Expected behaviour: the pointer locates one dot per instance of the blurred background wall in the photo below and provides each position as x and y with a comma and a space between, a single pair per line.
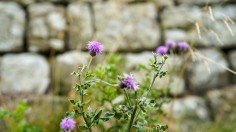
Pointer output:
43, 41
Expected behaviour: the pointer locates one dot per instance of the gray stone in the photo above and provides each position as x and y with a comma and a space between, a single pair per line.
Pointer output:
46, 27
186, 112
176, 34
222, 103
232, 59
12, 21
232, 62
187, 107
202, 2
181, 16
207, 70
64, 66
216, 30
24, 73
123, 27
163, 3
80, 25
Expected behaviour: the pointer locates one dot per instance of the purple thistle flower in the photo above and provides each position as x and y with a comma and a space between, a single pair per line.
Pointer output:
67, 124
162, 50
170, 44
95, 48
128, 82
183, 46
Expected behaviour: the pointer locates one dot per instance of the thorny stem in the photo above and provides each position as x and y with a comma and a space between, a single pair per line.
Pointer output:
114, 85
127, 98
82, 109
82, 98
151, 85
154, 78
134, 112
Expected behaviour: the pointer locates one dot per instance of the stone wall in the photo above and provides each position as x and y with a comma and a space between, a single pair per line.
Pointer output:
42, 41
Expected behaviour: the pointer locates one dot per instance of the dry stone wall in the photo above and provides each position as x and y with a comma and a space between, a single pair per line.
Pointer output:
42, 41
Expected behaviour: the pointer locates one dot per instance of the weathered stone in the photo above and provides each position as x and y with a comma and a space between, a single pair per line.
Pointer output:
80, 25
175, 34
24, 73
218, 29
126, 27
222, 103
64, 66
232, 61
12, 21
25, 2
185, 112
163, 3
187, 107
214, 29
46, 27
201, 2
207, 70
180, 17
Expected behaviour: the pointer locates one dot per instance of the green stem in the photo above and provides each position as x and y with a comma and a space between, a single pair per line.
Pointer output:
154, 78
134, 112
127, 98
82, 109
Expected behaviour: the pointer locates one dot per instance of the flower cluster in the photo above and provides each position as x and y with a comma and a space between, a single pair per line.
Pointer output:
172, 45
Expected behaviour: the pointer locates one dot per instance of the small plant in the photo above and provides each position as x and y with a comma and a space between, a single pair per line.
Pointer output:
15, 120
129, 114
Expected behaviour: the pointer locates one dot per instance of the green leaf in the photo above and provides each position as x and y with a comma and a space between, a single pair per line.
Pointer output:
72, 101
83, 127
97, 117
107, 116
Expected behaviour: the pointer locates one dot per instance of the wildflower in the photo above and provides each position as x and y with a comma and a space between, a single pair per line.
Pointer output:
170, 44
183, 46
95, 48
162, 50
67, 124
128, 82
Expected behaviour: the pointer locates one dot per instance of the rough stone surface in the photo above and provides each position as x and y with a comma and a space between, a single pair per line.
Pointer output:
232, 61
64, 66
202, 2
80, 25
180, 17
12, 21
187, 107
185, 112
207, 70
24, 73
222, 103
215, 29
122, 27
46, 27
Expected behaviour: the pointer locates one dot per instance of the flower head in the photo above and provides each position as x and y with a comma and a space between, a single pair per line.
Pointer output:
183, 46
162, 50
67, 124
170, 44
128, 82
95, 48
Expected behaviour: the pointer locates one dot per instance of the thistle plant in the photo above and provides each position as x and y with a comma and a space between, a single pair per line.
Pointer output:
130, 112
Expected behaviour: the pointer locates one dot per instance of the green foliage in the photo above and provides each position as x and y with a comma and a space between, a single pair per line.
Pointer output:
15, 120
